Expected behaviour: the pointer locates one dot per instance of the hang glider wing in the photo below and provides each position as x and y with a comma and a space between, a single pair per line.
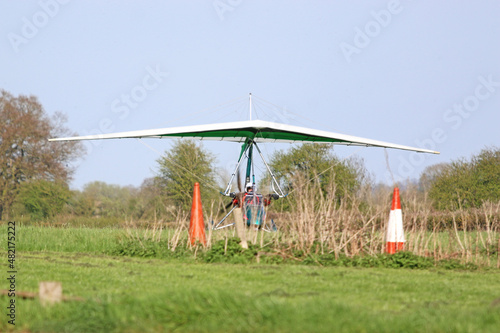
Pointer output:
256, 130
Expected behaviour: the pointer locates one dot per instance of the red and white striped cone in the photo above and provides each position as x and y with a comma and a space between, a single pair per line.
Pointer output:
395, 236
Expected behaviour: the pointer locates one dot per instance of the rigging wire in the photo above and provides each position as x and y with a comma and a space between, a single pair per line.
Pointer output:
389, 167
236, 109
211, 109
266, 171
286, 111
258, 106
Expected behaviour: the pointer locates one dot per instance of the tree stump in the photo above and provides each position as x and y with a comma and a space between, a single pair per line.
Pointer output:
50, 292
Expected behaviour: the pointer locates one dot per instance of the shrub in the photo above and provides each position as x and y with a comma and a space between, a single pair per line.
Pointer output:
43, 199
229, 250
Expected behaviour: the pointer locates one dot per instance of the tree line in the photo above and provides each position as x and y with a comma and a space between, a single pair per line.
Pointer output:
35, 173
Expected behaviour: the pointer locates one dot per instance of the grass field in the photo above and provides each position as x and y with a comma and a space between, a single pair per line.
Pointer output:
125, 294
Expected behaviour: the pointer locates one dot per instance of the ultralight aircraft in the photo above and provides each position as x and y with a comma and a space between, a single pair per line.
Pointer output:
250, 133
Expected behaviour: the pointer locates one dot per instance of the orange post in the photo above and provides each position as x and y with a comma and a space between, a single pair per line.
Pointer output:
395, 237
196, 225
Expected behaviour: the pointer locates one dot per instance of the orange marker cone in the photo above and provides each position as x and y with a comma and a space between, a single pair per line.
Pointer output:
395, 236
196, 225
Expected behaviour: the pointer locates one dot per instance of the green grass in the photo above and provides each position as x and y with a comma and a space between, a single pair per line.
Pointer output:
150, 295
131, 294
32, 238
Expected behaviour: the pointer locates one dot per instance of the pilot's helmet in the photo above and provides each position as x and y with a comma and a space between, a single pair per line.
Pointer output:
249, 186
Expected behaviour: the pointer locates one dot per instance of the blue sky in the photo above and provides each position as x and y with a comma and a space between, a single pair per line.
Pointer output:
418, 73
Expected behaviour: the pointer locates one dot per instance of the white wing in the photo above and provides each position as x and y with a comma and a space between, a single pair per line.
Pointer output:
257, 130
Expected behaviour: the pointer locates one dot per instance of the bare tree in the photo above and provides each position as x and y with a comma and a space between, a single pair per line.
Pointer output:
25, 153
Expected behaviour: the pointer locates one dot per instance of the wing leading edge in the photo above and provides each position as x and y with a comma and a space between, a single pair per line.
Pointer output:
257, 130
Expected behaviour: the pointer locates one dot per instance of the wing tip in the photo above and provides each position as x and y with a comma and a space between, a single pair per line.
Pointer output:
428, 151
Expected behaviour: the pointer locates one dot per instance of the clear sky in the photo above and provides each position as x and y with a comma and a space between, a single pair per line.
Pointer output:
418, 73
